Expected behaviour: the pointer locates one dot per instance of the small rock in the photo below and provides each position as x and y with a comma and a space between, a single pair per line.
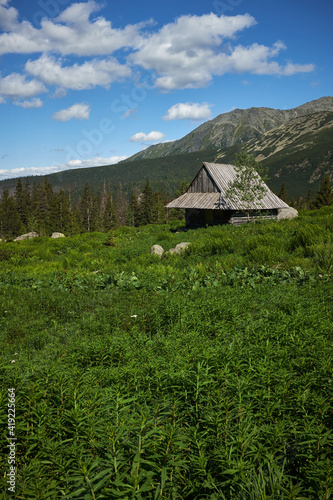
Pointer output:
286, 213
179, 248
157, 250
27, 236
57, 235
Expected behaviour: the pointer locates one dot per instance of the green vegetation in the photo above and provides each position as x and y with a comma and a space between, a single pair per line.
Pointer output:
42, 210
164, 173
248, 187
201, 376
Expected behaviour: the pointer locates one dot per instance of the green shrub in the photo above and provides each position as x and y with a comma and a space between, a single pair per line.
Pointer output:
322, 256
304, 236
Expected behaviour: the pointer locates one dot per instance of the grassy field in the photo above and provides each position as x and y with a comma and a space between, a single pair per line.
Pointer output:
206, 375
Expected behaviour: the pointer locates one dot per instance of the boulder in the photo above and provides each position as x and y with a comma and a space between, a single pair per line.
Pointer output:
157, 250
27, 236
286, 213
179, 248
57, 235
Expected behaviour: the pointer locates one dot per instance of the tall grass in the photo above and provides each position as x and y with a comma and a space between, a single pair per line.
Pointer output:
188, 377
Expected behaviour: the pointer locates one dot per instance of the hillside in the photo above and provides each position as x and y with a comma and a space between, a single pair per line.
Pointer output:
236, 127
295, 145
164, 173
299, 152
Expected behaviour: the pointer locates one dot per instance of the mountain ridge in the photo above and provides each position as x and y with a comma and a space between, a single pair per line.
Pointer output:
235, 127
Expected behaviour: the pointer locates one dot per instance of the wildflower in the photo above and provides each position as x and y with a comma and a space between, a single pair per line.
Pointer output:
134, 316
12, 361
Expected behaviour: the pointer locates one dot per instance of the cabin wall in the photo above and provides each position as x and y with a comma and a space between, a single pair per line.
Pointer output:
201, 218
203, 183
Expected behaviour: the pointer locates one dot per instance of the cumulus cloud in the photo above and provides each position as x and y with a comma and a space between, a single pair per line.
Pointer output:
256, 59
188, 111
71, 33
153, 136
73, 164
33, 103
77, 111
183, 54
189, 52
77, 77
16, 86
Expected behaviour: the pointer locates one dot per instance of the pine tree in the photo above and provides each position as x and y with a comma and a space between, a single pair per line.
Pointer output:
62, 213
19, 199
121, 206
10, 222
324, 196
85, 206
26, 205
134, 208
109, 217
160, 207
283, 193
147, 205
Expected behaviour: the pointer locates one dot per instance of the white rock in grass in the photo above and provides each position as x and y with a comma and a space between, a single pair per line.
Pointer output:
57, 235
179, 248
27, 236
157, 250
286, 213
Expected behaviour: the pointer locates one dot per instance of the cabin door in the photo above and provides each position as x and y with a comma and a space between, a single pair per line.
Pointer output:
208, 217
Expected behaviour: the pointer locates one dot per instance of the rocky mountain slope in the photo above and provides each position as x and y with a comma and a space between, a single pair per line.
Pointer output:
298, 152
236, 127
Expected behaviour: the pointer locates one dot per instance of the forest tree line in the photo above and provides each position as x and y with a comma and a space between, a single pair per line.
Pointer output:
41, 209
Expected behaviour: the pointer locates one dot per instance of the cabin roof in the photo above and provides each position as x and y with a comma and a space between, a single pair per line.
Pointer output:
210, 195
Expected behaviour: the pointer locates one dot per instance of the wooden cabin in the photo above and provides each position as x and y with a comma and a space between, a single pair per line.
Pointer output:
205, 201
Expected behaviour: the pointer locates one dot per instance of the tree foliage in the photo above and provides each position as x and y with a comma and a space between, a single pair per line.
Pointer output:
249, 185
41, 209
324, 196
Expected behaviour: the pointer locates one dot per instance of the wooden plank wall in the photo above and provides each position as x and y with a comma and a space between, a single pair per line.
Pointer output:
203, 183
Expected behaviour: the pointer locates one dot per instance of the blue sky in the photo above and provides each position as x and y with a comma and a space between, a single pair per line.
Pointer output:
90, 83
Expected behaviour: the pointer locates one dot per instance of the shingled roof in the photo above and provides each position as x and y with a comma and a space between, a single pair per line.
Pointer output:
208, 188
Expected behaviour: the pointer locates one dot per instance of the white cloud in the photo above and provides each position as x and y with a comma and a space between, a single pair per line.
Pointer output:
153, 136
181, 52
59, 93
2, 100
77, 77
188, 111
73, 164
189, 52
184, 54
77, 111
71, 33
8, 16
16, 86
33, 103
255, 59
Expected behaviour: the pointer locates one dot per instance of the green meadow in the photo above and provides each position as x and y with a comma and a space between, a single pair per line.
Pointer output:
205, 375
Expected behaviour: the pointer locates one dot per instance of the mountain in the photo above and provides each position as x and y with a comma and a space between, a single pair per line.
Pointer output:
236, 127
296, 145
298, 152
165, 173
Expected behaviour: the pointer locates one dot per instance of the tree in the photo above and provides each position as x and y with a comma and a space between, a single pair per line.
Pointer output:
10, 221
248, 187
121, 206
85, 206
324, 196
283, 193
